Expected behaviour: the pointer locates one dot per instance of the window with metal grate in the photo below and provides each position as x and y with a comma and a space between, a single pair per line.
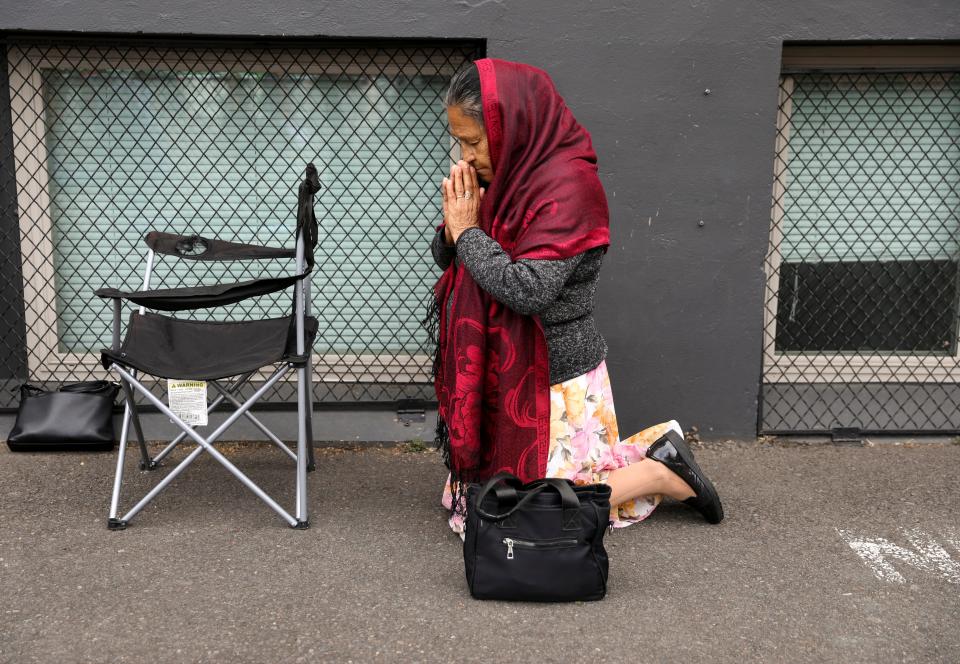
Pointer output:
111, 140
862, 266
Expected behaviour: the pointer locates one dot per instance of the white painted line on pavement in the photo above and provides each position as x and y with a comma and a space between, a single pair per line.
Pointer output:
926, 555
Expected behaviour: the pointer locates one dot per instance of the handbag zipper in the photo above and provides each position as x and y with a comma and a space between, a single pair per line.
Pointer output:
526, 544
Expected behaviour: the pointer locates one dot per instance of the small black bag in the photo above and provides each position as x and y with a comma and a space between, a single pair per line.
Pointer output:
541, 541
78, 417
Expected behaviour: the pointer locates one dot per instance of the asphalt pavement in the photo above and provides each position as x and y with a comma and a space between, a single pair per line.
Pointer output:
827, 554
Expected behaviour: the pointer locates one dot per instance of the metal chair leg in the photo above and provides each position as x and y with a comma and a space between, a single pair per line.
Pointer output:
206, 445
113, 523
146, 463
302, 514
311, 462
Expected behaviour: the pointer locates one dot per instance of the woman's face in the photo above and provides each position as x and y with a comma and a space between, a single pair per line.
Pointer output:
473, 142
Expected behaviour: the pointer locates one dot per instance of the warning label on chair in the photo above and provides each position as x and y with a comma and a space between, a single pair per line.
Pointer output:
188, 400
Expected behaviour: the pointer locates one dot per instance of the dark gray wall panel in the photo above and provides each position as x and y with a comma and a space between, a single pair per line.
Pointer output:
680, 303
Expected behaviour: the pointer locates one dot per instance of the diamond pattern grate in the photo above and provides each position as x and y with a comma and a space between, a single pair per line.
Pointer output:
861, 303
107, 140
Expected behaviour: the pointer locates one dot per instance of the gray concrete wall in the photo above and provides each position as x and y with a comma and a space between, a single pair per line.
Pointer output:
680, 304
330, 427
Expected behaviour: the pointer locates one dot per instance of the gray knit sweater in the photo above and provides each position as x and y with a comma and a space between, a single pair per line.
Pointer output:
561, 292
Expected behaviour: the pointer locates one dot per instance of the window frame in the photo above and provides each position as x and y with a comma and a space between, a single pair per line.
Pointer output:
840, 366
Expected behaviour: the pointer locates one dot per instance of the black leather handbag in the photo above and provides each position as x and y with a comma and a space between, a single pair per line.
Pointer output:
78, 416
541, 541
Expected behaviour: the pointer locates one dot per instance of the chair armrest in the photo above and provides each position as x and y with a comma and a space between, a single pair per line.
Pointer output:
196, 248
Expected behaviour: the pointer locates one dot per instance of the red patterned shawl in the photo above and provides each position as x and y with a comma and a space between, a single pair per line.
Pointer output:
545, 202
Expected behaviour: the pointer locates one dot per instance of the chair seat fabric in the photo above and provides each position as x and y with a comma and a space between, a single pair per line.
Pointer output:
206, 350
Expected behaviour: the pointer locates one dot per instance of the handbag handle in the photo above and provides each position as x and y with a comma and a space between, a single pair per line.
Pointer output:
86, 387
92, 387
506, 490
28, 390
569, 500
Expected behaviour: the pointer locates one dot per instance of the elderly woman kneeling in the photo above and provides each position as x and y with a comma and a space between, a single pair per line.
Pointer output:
520, 371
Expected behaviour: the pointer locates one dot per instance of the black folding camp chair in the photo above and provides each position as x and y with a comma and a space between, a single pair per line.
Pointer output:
213, 351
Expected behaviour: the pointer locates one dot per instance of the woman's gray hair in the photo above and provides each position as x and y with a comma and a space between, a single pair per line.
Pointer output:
464, 92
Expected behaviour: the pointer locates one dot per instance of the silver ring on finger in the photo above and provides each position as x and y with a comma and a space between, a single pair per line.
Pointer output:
467, 194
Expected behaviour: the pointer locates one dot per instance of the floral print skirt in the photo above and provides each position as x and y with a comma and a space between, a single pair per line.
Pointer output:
585, 443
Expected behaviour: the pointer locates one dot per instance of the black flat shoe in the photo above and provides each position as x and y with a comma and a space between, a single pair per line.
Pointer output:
672, 450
